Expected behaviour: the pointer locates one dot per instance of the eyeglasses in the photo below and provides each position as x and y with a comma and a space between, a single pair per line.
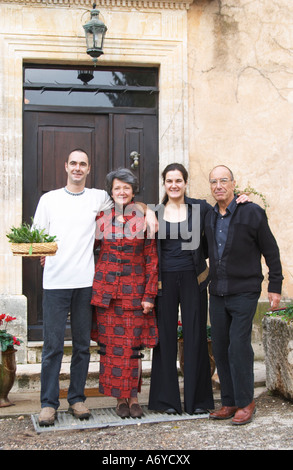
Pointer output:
222, 181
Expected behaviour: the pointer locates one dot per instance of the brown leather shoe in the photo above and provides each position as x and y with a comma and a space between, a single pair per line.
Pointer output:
244, 415
225, 412
122, 410
136, 410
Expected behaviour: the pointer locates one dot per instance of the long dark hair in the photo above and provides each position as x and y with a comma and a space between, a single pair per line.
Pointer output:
173, 167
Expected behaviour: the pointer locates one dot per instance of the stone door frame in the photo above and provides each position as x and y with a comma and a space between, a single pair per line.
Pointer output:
162, 43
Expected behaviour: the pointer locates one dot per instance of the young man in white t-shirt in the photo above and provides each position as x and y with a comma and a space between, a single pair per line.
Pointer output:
70, 214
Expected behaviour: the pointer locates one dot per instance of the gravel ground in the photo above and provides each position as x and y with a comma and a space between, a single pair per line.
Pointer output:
271, 429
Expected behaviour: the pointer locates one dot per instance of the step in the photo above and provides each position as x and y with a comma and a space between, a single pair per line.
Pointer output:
28, 376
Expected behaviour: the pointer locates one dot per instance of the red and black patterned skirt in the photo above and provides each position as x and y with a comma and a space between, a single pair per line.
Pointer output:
121, 335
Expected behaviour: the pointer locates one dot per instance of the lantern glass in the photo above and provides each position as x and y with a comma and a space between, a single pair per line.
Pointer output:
95, 31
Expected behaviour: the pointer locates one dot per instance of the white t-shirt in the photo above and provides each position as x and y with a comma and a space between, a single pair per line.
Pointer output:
72, 218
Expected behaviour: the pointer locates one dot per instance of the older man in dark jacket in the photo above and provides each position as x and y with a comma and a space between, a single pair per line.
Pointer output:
237, 235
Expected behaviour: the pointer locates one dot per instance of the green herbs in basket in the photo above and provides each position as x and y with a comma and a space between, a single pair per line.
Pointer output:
27, 234
30, 241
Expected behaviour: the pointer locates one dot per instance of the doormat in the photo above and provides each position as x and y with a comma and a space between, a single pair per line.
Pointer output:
106, 417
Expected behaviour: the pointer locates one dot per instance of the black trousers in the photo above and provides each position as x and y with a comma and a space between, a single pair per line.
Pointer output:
231, 324
181, 289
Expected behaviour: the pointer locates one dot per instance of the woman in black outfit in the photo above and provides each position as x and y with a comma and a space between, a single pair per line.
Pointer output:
184, 279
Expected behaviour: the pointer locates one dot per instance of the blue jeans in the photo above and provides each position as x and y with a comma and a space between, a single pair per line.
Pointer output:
57, 303
231, 319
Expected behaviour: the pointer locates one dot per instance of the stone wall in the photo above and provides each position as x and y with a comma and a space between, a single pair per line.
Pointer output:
241, 105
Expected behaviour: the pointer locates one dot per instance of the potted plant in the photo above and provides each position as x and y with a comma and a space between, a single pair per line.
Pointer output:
7, 359
278, 348
30, 241
181, 348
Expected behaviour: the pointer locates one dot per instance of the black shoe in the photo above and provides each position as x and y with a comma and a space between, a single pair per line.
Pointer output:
170, 411
200, 411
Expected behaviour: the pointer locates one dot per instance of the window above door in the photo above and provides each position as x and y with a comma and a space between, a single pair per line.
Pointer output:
90, 87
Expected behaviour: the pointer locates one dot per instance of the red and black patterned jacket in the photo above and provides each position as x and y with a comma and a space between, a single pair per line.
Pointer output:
127, 266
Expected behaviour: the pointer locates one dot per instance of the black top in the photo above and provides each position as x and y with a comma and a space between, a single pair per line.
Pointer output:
198, 251
174, 258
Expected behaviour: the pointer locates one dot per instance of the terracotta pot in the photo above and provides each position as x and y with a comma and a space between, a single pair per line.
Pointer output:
7, 375
181, 356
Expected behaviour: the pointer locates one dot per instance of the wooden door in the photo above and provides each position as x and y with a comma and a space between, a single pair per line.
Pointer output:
109, 139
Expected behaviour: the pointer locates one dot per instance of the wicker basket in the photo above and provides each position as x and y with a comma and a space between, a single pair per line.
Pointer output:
34, 249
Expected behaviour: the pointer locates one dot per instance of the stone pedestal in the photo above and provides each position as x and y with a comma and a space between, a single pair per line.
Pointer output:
278, 348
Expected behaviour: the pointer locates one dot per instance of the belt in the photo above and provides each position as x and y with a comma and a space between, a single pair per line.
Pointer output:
122, 248
119, 261
118, 273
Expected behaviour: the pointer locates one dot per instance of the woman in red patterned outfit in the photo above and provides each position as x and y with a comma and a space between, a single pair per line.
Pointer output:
124, 291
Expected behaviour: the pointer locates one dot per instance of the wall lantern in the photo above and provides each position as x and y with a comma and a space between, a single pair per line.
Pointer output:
95, 31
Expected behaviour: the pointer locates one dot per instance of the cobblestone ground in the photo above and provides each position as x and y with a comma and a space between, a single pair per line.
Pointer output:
271, 429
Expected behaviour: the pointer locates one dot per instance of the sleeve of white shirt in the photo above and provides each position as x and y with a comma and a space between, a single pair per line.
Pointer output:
107, 204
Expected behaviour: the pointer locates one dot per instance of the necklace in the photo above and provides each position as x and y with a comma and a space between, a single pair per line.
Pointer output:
74, 194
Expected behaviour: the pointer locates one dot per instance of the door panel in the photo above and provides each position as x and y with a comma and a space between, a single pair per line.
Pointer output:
136, 133
54, 143
108, 139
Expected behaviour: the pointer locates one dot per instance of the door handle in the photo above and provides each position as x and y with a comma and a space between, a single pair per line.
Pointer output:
135, 157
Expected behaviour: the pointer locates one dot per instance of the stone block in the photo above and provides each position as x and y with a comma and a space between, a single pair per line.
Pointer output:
278, 348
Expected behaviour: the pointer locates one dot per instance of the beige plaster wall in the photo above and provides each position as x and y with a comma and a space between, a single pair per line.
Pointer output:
240, 79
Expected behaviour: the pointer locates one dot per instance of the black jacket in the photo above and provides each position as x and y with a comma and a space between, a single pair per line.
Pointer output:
249, 237
200, 253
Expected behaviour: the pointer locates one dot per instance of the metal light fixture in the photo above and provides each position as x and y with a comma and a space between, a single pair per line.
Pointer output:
95, 31
85, 76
